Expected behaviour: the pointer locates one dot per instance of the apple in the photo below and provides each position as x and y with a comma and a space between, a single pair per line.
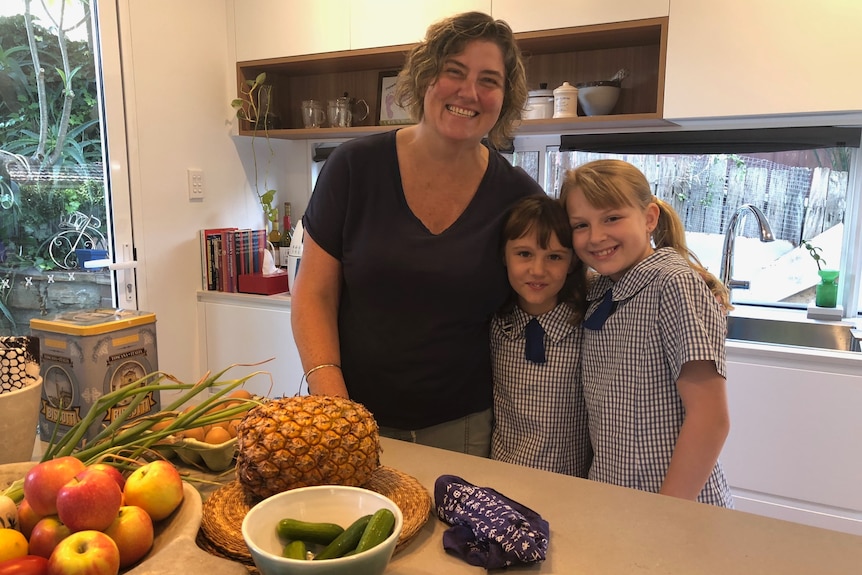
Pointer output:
112, 471
27, 518
44, 480
156, 487
46, 535
90, 500
132, 531
87, 552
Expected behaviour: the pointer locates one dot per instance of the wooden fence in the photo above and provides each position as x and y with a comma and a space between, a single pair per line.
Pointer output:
800, 203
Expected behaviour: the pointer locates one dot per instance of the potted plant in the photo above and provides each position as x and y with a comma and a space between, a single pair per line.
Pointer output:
826, 293
254, 107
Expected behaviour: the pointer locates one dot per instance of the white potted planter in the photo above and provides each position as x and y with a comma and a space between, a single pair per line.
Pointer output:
19, 415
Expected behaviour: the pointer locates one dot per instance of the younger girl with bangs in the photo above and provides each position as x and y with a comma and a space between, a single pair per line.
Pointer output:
539, 411
653, 355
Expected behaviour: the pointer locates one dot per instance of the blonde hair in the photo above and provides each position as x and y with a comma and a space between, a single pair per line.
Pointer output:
450, 37
615, 183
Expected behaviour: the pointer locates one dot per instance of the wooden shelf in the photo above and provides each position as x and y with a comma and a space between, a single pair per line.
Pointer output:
579, 54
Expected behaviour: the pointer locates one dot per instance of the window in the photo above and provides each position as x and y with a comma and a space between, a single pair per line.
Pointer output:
805, 194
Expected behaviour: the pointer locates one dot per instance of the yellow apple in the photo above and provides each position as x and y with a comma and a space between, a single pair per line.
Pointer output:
85, 553
132, 531
156, 487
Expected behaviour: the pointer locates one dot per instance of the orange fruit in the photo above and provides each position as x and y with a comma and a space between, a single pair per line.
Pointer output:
13, 544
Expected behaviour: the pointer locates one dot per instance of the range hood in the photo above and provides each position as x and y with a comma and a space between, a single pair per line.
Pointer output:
714, 141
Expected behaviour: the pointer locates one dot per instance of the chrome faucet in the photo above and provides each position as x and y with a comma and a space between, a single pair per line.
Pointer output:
726, 272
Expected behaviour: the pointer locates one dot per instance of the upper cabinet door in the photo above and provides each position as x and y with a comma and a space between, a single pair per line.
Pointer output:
276, 29
762, 57
525, 17
375, 23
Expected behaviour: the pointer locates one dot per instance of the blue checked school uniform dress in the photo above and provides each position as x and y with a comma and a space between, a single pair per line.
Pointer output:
663, 316
540, 417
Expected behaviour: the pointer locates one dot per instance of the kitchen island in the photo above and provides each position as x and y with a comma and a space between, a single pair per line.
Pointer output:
600, 529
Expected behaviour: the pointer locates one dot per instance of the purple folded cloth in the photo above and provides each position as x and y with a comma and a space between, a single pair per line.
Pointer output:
488, 529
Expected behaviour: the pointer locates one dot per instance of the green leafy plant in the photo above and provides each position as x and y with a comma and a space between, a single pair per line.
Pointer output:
254, 107
814, 252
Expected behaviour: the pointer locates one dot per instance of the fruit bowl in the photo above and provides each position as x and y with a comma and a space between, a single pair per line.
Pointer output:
337, 504
174, 543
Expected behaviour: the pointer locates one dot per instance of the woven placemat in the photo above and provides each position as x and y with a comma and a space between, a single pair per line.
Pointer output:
224, 510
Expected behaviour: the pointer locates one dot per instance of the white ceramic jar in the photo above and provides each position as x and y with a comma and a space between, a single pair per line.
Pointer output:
565, 101
540, 104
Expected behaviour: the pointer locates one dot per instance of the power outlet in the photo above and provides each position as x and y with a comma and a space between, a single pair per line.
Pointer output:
196, 184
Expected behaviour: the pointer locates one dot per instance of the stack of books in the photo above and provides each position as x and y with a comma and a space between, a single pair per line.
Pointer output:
227, 253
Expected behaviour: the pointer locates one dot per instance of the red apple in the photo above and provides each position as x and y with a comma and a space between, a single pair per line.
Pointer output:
112, 471
27, 518
90, 500
46, 535
156, 487
132, 531
44, 480
85, 553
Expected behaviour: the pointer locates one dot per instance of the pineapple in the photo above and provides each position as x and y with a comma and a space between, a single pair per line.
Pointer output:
308, 440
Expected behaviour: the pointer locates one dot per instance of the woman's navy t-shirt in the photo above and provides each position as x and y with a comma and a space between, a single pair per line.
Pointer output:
415, 306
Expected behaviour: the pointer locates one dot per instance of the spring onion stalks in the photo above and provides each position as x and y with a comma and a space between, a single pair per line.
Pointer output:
124, 441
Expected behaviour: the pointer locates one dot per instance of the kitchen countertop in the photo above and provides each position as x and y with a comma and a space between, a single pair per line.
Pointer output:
604, 529
601, 529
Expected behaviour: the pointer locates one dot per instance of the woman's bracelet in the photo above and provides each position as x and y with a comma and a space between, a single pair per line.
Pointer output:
316, 367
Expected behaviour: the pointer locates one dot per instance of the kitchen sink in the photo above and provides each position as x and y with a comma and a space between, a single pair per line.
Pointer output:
841, 336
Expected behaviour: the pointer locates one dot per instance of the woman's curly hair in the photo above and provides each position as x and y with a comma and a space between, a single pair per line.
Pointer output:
449, 37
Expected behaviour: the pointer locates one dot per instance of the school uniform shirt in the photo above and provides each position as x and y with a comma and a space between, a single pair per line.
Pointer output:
540, 418
665, 316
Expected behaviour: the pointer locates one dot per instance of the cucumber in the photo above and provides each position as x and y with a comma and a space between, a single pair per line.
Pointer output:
323, 533
296, 550
346, 541
378, 529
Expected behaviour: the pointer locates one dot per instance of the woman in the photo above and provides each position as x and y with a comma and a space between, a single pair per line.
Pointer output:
400, 269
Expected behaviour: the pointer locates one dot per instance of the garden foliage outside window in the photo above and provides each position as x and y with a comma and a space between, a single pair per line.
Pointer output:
53, 206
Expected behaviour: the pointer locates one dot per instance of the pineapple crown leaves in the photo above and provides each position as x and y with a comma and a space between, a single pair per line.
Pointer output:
813, 251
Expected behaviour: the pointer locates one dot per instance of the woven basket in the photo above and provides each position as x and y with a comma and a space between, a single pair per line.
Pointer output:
224, 510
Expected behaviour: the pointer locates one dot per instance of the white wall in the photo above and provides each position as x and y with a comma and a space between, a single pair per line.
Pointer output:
179, 78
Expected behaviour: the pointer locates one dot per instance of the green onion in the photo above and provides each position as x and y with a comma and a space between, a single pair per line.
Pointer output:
122, 442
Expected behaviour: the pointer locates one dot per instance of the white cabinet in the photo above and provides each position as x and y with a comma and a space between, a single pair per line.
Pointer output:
243, 328
276, 29
375, 23
762, 57
549, 14
793, 449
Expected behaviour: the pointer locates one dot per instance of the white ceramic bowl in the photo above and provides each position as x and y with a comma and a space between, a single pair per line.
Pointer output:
598, 98
323, 503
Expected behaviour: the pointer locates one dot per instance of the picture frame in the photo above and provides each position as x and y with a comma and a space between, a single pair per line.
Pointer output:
390, 114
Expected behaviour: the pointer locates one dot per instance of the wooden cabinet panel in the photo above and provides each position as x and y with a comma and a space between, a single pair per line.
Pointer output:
565, 13
578, 54
275, 28
742, 58
375, 23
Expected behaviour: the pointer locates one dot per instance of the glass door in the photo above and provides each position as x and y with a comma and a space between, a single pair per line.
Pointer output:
66, 237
